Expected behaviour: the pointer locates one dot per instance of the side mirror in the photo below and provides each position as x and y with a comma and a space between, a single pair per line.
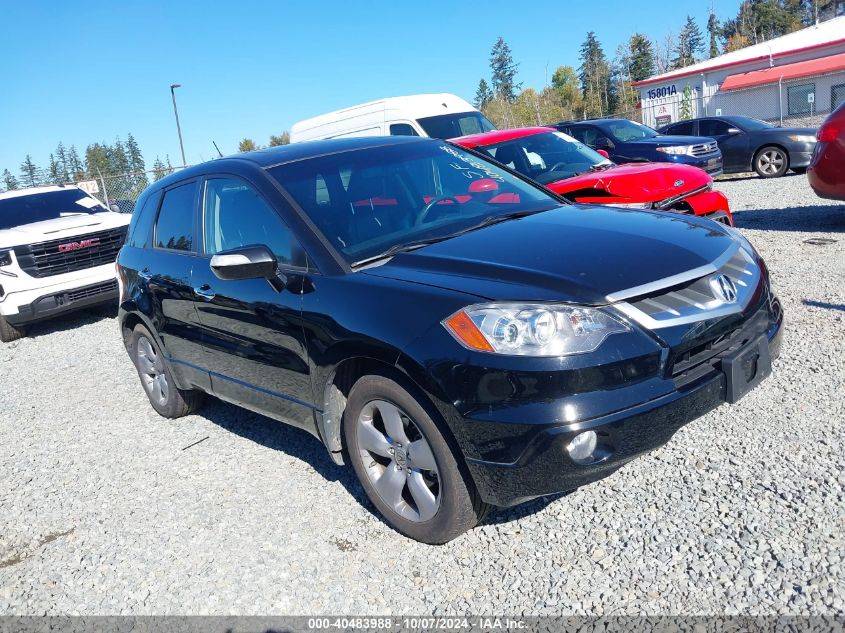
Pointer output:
114, 208
734, 130
247, 262
603, 152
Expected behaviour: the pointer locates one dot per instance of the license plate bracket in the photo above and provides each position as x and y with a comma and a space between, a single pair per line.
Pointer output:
746, 368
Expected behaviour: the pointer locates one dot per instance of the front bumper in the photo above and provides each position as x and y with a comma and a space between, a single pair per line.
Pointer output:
800, 159
711, 163
56, 303
544, 466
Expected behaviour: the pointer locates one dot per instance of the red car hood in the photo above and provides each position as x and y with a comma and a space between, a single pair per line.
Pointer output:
633, 182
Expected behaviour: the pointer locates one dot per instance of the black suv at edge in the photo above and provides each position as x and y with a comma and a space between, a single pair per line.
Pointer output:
463, 337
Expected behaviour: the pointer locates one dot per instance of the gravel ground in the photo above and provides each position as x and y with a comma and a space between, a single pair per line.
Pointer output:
105, 509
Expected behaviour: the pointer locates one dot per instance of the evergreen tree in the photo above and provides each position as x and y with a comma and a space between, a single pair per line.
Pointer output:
483, 95
159, 169
595, 77
62, 159
641, 57
133, 153
686, 111
281, 139
55, 171
170, 169
503, 72
97, 161
9, 181
29, 172
76, 171
247, 145
690, 42
714, 31
118, 158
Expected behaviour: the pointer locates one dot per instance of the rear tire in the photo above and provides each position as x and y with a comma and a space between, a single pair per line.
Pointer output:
771, 162
405, 463
9, 332
167, 399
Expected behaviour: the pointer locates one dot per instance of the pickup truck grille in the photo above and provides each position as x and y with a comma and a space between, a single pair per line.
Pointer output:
702, 149
69, 254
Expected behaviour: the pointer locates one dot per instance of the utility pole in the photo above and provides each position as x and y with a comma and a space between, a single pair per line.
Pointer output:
178, 127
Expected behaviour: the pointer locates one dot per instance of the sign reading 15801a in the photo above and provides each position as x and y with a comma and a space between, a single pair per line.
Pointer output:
663, 91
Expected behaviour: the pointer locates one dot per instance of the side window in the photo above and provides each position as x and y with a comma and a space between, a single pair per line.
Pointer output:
713, 127
578, 133
175, 222
234, 215
686, 128
402, 129
139, 231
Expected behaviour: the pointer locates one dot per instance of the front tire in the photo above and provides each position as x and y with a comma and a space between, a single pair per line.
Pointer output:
405, 463
9, 332
771, 162
167, 399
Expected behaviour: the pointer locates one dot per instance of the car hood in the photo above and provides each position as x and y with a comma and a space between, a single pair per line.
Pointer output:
634, 182
577, 254
68, 226
667, 140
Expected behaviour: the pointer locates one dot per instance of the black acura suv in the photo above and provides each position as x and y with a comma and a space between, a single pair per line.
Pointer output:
460, 335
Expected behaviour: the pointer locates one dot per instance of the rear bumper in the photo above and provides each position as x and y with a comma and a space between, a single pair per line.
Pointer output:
545, 467
826, 174
51, 305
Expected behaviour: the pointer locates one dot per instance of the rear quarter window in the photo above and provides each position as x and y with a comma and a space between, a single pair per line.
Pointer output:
175, 223
139, 228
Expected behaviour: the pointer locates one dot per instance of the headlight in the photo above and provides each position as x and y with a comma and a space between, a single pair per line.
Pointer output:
676, 150
802, 138
5, 258
532, 329
629, 205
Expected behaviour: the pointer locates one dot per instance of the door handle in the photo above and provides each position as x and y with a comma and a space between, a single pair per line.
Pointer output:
205, 292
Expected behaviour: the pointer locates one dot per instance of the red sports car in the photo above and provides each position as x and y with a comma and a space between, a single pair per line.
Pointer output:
560, 163
827, 167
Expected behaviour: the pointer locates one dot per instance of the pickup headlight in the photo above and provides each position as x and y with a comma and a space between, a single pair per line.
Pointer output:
676, 150
5, 258
532, 329
802, 138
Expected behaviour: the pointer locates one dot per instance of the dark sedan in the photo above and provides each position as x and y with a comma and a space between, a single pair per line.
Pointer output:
463, 337
750, 144
624, 141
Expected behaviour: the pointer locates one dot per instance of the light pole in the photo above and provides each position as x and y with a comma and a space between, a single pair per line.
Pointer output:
178, 127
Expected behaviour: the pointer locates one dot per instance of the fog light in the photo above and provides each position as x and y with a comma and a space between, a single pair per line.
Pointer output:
581, 447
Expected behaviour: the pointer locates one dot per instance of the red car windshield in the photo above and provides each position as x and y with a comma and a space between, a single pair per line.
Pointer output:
546, 157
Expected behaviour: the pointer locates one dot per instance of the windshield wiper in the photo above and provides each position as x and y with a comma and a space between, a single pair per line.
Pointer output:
412, 246
601, 166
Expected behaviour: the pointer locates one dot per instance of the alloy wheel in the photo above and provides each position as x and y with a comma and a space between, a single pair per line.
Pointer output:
398, 461
151, 369
771, 161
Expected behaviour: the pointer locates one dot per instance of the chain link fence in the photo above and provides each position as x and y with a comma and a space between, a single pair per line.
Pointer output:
803, 102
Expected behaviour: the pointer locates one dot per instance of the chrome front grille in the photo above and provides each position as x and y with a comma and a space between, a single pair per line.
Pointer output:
702, 149
695, 296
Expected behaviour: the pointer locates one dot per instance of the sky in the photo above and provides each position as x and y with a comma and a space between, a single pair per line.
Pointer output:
89, 71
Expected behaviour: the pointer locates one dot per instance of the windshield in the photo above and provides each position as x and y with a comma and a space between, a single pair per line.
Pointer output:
453, 125
627, 131
368, 201
546, 157
750, 124
37, 207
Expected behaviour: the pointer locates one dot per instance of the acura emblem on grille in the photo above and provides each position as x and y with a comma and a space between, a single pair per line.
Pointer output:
723, 288
76, 246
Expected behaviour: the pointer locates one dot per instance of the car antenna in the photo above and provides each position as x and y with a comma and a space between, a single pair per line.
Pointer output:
217, 148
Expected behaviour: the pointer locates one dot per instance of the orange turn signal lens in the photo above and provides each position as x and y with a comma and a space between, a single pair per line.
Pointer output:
463, 329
